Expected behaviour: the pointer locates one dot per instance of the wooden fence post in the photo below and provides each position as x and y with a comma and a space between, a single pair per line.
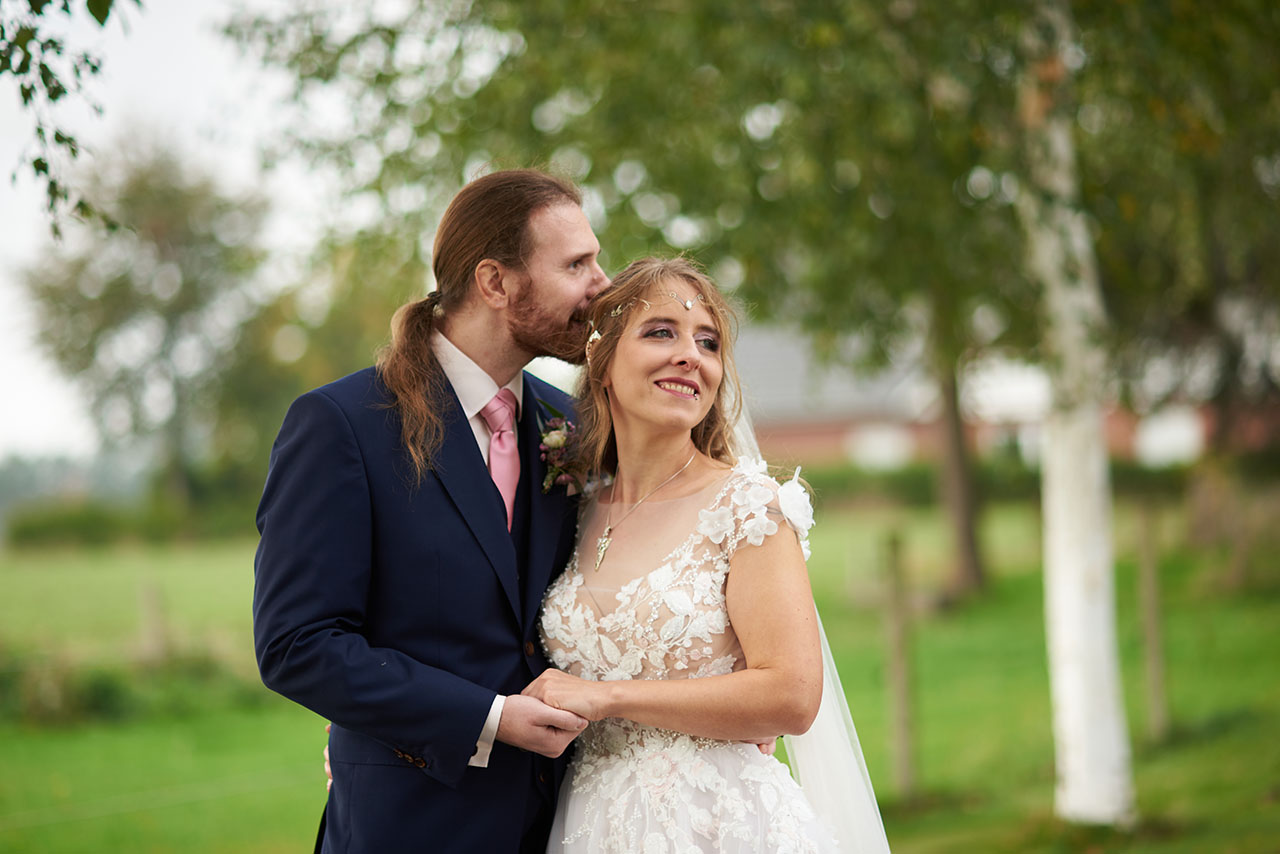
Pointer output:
153, 633
898, 670
1152, 640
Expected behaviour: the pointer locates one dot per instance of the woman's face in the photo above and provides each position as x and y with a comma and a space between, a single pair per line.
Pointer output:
666, 370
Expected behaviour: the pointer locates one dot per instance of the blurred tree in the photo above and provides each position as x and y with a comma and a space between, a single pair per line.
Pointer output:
814, 153
143, 316
46, 70
1091, 740
1180, 156
328, 325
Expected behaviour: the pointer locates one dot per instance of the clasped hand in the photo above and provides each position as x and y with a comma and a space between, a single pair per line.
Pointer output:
559, 690
590, 700
563, 706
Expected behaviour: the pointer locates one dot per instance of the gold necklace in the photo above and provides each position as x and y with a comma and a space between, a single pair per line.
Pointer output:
602, 544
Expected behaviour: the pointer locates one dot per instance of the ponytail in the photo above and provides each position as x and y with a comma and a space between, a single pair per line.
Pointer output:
413, 376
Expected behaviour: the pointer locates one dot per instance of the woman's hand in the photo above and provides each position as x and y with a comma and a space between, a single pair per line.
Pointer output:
562, 691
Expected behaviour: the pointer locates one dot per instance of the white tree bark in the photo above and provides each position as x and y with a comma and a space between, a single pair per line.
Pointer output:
1091, 741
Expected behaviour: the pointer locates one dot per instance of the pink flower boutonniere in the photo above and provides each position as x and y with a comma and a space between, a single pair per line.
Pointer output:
556, 449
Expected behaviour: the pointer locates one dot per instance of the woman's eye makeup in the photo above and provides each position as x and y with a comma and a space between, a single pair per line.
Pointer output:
706, 340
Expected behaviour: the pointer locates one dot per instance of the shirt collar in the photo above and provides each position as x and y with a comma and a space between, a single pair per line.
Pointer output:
471, 384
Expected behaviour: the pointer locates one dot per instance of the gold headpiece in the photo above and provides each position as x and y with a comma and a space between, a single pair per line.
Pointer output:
687, 303
626, 306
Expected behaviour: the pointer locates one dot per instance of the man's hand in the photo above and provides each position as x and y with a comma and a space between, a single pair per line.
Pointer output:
328, 771
530, 724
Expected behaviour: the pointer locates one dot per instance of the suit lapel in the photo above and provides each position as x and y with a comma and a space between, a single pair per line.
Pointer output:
546, 510
461, 470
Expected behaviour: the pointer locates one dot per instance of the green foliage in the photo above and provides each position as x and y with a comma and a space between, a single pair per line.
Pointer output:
819, 150
36, 55
853, 164
1180, 156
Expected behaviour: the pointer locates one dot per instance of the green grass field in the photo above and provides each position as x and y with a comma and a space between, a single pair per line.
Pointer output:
248, 779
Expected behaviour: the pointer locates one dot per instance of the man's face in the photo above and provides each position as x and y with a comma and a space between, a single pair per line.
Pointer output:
548, 314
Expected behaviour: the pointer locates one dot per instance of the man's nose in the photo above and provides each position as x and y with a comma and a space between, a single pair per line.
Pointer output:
600, 280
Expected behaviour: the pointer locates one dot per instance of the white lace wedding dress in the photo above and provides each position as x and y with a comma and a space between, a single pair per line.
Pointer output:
656, 610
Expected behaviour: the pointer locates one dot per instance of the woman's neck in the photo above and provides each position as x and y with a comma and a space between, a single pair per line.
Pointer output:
644, 463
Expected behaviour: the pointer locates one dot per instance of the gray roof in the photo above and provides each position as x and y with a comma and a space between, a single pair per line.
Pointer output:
784, 381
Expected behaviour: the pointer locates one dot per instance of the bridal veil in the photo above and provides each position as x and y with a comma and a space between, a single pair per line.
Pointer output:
827, 760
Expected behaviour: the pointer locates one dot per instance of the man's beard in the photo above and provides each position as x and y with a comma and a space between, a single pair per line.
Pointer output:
537, 331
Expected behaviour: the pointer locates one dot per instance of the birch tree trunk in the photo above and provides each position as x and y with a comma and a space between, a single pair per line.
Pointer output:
1091, 742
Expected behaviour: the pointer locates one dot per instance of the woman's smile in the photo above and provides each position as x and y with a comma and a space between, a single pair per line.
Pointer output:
680, 388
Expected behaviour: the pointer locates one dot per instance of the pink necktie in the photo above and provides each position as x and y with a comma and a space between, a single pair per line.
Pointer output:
504, 459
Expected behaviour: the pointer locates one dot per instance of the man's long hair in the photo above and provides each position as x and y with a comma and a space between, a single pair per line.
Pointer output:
488, 219
610, 312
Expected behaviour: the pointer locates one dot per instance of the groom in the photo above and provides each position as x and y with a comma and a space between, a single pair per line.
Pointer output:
407, 541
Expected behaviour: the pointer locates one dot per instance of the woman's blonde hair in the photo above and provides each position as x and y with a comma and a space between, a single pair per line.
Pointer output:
597, 451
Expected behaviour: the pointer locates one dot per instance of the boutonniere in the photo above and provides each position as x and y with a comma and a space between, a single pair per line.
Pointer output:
556, 450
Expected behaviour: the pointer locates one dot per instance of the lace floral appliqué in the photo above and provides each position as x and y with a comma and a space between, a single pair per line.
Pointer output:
642, 789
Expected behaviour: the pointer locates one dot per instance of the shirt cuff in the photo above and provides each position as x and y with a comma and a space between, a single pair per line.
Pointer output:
484, 744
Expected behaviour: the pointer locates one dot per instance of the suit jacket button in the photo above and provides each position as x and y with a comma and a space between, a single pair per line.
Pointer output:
528, 647
420, 762
542, 778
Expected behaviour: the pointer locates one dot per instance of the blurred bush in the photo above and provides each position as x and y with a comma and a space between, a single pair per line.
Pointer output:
1261, 466
219, 506
40, 691
998, 479
86, 522
223, 501
914, 484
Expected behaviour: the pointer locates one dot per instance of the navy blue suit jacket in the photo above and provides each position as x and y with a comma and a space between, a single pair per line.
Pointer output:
394, 610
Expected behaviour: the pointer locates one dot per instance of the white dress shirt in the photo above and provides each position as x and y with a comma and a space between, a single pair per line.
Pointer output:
475, 389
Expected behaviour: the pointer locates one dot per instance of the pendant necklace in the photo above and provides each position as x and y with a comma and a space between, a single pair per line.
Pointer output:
602, 544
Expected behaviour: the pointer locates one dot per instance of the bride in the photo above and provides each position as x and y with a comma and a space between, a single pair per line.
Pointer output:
683, 626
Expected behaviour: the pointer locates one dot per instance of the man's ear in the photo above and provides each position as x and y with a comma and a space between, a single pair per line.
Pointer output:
494, 281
